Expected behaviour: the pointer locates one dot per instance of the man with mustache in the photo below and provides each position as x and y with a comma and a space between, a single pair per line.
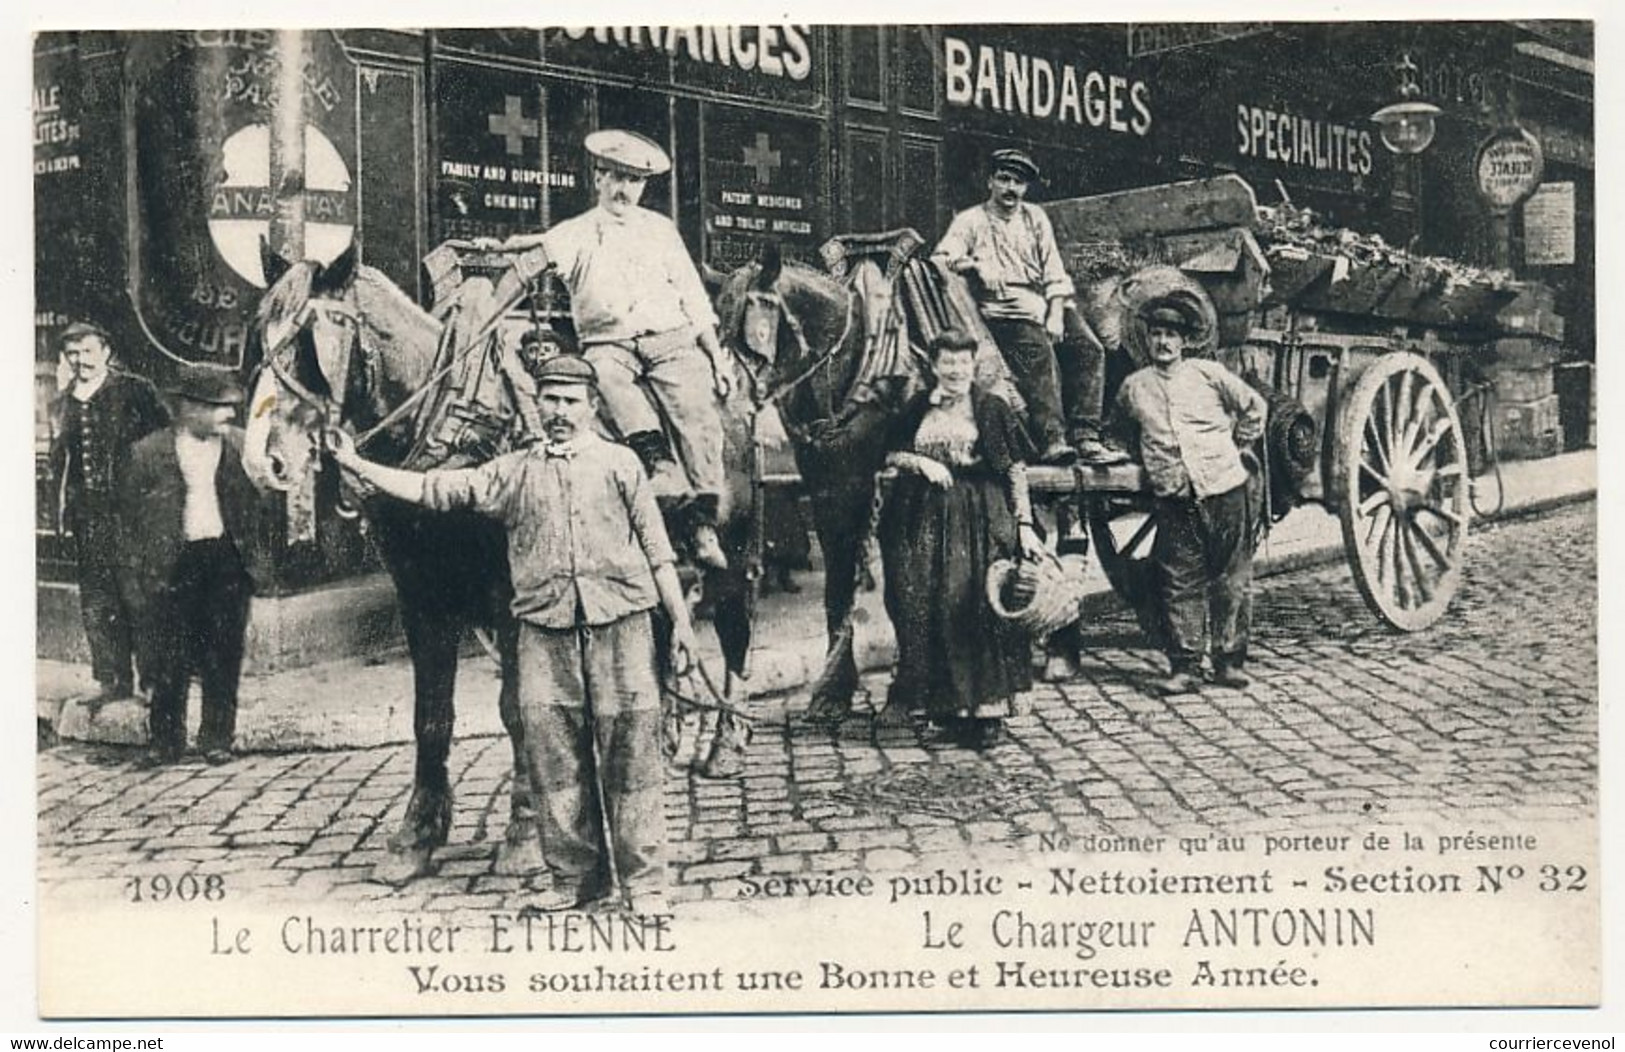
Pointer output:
590, 561
1007, 248
646, 324
101, 414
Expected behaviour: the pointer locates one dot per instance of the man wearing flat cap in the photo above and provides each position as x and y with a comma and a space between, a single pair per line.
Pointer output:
101, 413
645, 322
590, 561
191, 553
1196, 422
1006, 247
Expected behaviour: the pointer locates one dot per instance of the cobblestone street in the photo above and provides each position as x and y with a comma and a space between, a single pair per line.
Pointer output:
1488, 719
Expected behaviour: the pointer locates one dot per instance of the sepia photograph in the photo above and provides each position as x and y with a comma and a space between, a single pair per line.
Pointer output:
815, 518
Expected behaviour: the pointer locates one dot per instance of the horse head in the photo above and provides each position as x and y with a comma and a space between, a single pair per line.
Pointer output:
339, 343
795, 324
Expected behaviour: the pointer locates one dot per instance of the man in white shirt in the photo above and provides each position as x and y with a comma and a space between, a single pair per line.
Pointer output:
644, 321
1007, 248
189, 553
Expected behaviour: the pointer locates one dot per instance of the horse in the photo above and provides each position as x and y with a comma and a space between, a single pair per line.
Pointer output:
344, 346
810, 339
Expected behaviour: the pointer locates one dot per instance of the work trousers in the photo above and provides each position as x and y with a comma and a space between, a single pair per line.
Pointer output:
109, 625
1081, 361
590, 703
195, 626
666, 380
1031, 357
1204, 558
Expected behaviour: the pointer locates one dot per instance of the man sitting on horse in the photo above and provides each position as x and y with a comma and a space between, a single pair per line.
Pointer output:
646, 324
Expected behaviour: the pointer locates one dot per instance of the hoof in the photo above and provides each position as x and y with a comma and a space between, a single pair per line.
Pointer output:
403, 867
1058, 669
520, 856
892, 716
827, 712
725, 761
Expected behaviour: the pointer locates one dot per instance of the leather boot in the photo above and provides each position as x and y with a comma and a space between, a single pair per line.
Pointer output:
1181, 680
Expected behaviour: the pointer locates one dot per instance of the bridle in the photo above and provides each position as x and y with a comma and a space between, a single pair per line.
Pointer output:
783, 388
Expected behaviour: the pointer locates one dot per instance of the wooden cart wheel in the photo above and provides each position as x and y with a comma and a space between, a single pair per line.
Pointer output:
1123, 532
1401, 469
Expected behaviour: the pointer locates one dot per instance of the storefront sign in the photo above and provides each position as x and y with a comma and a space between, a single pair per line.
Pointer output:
1015, 83
1306, 142
1159, 38
1548, 226
241, 137
774, 61
56, 126
1509, 167
761, 180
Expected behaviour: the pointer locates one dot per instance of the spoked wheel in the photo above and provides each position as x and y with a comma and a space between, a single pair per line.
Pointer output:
1123, 532
1404, 486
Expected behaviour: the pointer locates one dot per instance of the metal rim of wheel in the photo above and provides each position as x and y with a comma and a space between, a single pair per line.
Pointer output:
1404, 485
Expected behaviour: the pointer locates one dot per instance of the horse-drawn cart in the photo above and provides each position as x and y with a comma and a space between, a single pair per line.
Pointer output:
1363, 364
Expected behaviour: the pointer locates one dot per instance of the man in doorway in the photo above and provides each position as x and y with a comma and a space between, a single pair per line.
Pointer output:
1006, 247
590, 561
645, 323
101, 414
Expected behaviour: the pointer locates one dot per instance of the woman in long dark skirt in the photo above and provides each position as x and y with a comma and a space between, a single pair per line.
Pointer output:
959, 502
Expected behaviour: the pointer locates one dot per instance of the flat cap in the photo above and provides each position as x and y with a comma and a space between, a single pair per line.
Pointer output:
1170, 312
1016, 161
211, 384
567, 369
628, 152
76, 329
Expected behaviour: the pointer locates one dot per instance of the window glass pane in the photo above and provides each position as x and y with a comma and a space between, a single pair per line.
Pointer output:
866, 180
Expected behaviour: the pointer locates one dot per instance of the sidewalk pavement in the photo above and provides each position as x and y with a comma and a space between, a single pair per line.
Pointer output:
360, 703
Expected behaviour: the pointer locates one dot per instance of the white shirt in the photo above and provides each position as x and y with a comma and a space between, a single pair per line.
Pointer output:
628, 276
199, 459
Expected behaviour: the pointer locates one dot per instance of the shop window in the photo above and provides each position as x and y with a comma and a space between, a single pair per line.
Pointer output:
763, 184
866, 65
866, 179
390, 170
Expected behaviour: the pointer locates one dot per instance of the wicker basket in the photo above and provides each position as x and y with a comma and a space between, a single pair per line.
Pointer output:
1038, 596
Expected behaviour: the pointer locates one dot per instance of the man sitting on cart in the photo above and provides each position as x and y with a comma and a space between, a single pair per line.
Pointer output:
1007, 248
1195, 421
646, 325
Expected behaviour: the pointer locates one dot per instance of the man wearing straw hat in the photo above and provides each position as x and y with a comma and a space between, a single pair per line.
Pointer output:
590, 561
645, 322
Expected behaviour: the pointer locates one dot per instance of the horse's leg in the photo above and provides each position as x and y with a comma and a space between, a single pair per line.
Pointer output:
520, 852
431, 637
733, 627
839, 536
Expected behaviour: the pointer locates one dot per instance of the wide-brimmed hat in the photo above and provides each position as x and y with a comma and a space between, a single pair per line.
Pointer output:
567, 369
1170, 312
628, 152
81, 328
1017, 162
210, 384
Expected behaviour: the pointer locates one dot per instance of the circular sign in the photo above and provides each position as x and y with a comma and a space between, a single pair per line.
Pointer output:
1509, 168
